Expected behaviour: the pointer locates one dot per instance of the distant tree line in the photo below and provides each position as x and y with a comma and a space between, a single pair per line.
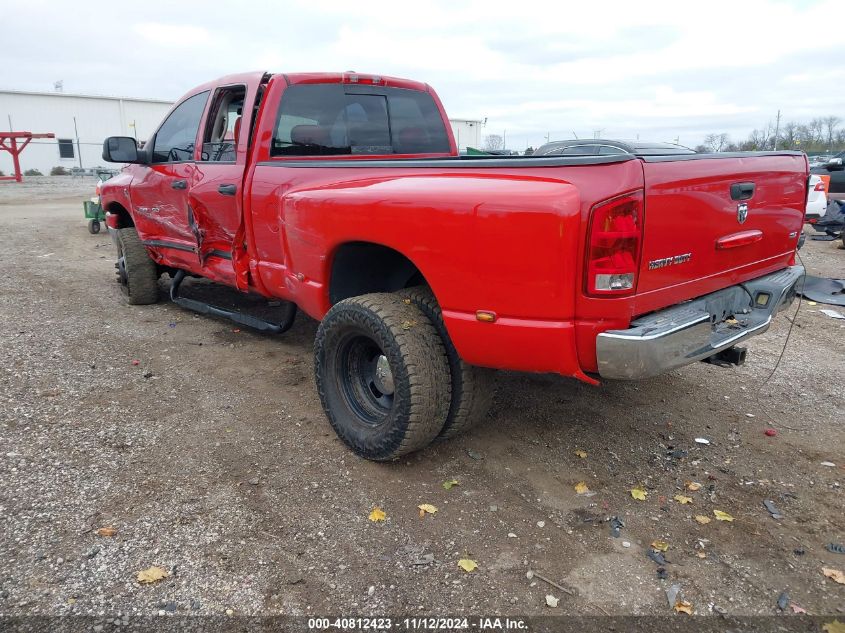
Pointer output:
820, 135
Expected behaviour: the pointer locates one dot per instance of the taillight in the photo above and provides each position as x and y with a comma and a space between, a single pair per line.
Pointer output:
97, 188
819, 186
614, 241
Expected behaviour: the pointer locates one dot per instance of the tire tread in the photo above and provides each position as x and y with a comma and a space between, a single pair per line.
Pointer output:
473, 388
140, 268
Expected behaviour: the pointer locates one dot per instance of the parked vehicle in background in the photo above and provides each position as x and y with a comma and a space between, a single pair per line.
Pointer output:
606, 147
819, 160
836, 170
344, 195
816, 200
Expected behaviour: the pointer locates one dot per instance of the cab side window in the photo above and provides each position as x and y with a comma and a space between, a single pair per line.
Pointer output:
223, 127
609, 150
580, 150
176, 138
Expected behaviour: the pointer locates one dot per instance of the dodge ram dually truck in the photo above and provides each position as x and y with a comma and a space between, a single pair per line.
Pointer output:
344, 195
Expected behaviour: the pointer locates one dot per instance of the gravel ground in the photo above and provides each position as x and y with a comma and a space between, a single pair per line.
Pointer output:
211, 458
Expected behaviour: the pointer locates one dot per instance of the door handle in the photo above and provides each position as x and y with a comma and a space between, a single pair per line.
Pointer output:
742, 190
179, 184
227, 190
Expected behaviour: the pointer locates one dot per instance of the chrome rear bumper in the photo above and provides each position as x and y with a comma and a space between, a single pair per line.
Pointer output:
696, 329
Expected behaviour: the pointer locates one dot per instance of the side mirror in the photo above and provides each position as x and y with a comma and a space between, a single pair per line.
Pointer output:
835, 164
122, 149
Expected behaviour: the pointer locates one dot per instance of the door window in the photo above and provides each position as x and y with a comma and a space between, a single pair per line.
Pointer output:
223, 128
175, 139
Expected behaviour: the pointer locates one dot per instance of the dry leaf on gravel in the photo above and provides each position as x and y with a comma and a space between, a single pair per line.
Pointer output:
551, 601
467, 565
151, 575
581, 488
834, 627
692, 485
581, 454
660, 546
639, 493
703, 520
451, 483
377, 515
682, 499
106, 531
682, 606
722, 516
796, 608
426, 508
835, 575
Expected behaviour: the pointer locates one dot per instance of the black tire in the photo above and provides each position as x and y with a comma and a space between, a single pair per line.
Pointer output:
473, 388
137, 274
93, 227
381, 415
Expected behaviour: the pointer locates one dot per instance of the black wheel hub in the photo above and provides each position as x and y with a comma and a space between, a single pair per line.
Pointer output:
122, 277
365, 378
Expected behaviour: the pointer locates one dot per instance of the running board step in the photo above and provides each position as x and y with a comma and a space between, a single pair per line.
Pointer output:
233, 315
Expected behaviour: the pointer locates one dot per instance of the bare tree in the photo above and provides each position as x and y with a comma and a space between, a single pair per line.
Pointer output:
716, 142
789, 137
493, 141
830, 124
761, 139
817, 131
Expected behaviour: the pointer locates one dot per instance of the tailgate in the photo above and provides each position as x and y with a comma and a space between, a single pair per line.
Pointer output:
712, 222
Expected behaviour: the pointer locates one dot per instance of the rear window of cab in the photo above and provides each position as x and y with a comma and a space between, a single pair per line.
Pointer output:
336, 119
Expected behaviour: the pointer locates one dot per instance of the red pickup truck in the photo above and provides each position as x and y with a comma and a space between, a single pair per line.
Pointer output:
344, 195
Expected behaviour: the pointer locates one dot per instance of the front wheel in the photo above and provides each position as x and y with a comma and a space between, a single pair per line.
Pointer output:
137, 274
93, 227
382, 375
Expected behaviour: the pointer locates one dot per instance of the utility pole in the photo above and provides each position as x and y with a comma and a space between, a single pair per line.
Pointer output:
9, 116
78, 148
505, 139
777, 130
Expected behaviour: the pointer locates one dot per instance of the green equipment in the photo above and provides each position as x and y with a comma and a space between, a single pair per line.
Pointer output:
94, 212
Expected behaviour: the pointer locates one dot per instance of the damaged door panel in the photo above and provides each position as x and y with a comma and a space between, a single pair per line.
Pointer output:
216, 193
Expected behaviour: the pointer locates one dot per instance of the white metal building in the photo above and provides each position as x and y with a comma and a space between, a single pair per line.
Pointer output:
80, 122
467, 132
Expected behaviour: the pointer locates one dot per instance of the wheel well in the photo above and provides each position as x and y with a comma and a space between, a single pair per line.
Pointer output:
359, 268
125, 220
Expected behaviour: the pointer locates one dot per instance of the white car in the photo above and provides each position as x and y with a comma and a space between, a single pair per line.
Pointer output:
816, 200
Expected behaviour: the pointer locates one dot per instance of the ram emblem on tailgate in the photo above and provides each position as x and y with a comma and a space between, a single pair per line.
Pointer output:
741, 212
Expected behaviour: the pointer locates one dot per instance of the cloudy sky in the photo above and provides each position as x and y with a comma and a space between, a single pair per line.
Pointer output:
655, 69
